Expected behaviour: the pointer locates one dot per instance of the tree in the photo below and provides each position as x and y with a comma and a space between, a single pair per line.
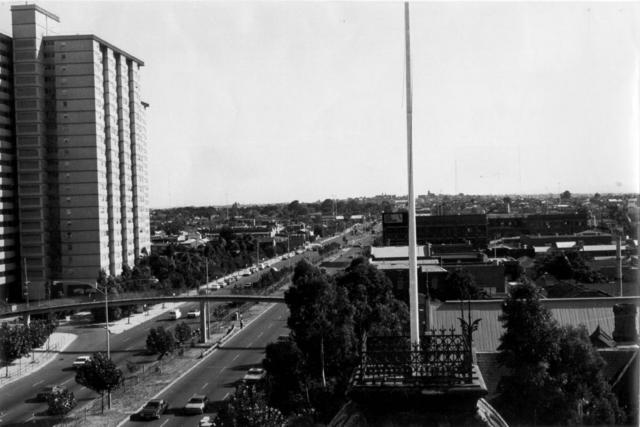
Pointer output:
100, 374
14, 343
321, 321
458, 285
567, 266
286, 384
248, 408
160, 341
370, 292
182, 333
553, 370
566, 195
60, 402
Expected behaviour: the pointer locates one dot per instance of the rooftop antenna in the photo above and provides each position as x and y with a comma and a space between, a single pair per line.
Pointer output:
414, 323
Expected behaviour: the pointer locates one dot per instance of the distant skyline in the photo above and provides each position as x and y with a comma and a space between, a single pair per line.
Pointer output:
270, 102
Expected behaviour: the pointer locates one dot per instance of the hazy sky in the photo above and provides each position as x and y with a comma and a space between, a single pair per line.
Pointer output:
276, 101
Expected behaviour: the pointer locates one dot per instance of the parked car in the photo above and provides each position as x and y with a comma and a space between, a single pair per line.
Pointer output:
196, 405
192, 314
47, 391
81, 361
254, 375
175, 314
215, 286
153, 409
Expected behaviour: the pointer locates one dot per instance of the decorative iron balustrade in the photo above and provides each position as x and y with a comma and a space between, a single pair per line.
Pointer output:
443, 358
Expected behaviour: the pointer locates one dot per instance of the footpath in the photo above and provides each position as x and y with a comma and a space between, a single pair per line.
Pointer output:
59, 341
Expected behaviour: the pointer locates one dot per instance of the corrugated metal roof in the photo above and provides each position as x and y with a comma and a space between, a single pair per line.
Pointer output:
590, 248
401, 252
590, 312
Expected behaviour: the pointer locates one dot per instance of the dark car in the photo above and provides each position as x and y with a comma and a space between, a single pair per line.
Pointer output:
153, 409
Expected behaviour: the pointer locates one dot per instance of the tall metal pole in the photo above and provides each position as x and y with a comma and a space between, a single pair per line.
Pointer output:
106, 316
414, 323
619, 261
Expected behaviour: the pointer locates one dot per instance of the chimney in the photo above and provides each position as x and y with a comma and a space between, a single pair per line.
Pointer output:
625, 329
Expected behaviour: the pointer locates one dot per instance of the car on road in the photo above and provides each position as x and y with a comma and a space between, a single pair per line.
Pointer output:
196, 405
206, 421
153, 409
175, 314
47, 391
81, 361
254, 375
245, 273
192, 314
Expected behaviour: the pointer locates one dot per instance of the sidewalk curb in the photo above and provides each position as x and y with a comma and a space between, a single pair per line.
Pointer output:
43, 362
213, 348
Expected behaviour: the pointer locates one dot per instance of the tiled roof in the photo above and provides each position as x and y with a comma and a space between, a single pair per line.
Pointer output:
590, 312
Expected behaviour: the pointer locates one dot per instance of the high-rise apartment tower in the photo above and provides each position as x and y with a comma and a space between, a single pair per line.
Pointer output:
80, 151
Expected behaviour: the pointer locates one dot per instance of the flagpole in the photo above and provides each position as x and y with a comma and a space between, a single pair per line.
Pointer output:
414, 324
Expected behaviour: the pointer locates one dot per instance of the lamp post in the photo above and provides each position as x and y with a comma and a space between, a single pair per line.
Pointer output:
106, 316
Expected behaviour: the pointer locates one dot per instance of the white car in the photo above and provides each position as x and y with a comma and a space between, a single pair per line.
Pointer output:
196, 405
81, 361
175, 314
192, 314
254, 375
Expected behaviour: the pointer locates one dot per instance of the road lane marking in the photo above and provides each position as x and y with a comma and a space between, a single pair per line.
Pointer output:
66, 381
251, 343
126, 339
172, 383
260, 334
205, 384
237, 355
36, 383
165, 421
225, 396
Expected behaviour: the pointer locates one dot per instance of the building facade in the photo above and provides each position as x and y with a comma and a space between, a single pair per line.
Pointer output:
9, 267
80, 153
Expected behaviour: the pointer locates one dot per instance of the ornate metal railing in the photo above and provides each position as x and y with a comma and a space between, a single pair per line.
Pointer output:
443, 358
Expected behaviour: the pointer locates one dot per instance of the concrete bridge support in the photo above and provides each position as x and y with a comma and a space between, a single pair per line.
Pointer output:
204, 321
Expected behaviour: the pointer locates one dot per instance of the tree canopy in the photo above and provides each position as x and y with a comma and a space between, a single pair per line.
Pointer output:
160, 341
555, 373
100, 374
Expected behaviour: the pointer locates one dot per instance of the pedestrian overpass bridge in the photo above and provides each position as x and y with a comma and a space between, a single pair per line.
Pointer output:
26, 312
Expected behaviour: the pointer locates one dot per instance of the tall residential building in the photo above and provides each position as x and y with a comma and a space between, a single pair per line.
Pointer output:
9, 266
80, 151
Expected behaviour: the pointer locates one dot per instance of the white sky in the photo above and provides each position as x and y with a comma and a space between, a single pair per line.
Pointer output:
276, 101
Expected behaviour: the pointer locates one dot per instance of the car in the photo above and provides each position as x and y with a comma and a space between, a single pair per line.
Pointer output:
81, 361
245, 273
192, 314
284, 338
175, 314
47, 391
215, 286
153, 409
206, 421
254, 375
196, 405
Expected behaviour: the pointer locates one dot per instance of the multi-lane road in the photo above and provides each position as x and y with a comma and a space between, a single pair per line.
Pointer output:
215, 376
